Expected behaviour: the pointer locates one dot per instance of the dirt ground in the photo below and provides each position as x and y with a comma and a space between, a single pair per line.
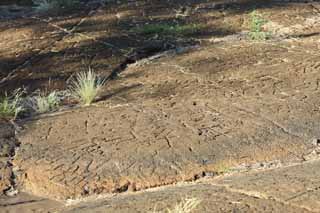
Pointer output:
181, 115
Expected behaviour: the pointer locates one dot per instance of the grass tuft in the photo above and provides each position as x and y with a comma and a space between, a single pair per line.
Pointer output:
86, 86
44, 103
185, 206
10, 106
256, 27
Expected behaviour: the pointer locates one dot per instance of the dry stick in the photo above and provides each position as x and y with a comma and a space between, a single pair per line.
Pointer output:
71, 32
12, 74
92, 12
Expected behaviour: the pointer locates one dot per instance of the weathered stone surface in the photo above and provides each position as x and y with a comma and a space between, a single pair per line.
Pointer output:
171, 119
178, 125
214, 199
7, 139
24, 203
286, 189
7, 148
5, 176
296, 185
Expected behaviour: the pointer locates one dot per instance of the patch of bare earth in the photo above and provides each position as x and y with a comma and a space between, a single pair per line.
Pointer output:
181, 115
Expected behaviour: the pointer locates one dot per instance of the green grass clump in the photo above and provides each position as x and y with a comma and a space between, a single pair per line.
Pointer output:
10, 106
151, 29
45, 103
256, 27
54, 5
86, 86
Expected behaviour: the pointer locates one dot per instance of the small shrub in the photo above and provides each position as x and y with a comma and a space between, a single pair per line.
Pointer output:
10, 106
256, 27
52, 5
86, 86
185, 206
44, 103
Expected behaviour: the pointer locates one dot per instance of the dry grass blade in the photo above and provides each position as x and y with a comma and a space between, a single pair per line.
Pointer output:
10, 106
86, 86
44, 103
185, 206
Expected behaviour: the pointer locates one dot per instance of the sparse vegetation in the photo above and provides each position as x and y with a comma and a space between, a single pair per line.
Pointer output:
86, 86
10, 106
51, 5
185, 206
44, 103
222, 168
167, 29
256, 27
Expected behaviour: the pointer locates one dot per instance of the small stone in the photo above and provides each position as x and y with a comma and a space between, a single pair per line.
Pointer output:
11, 192
315, 142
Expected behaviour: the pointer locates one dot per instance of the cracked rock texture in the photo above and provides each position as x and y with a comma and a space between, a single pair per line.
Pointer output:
7, 148
287, 189
296, 185
179, 124
226, 102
